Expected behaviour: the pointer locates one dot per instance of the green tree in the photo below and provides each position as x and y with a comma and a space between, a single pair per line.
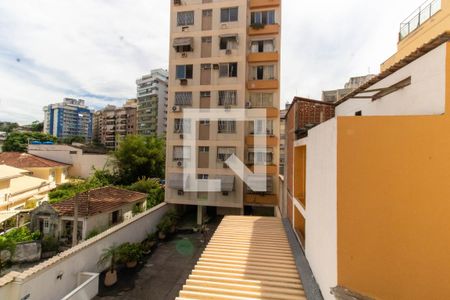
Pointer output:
139, 157
73, 139
8, 126
37, 126
152, 187
18, 141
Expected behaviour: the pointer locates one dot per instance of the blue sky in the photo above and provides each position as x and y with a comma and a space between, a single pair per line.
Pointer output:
95, 49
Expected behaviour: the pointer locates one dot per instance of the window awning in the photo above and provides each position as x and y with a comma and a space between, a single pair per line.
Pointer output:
184, 41
227, 183
177, 181
232, 35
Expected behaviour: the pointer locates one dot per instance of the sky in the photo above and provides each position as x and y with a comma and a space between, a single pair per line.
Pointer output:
96, 49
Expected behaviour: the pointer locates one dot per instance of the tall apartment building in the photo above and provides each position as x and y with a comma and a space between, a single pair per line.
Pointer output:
224, 55
69, 118
112, 123
352, 84
152, 92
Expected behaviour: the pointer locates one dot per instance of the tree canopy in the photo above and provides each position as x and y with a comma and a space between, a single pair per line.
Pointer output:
18, 141
139, 157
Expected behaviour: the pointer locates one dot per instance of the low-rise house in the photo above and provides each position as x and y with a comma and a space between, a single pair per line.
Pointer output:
49, 170
18, 189
98, 209
82, 161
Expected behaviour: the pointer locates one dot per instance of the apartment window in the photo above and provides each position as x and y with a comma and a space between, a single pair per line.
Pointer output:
263, 46
263, 72
261, 127
223, 153
202, 176
182, 126
229, 14
205, 94
263, 17
227, 126
185, 18
203, 149
261, 99
260, 156
184, 72
228, 42
183, 98
228, 70
227, 98
181, 153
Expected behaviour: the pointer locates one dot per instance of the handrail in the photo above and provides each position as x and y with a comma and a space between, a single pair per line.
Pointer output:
418, 17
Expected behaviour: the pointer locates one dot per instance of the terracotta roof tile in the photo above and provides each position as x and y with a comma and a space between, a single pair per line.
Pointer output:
98, 201
25, 160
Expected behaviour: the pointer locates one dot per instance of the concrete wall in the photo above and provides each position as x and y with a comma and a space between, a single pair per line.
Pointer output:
425, 95
321, 204
82, 258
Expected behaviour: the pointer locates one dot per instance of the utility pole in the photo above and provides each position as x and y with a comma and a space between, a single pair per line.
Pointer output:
75, 221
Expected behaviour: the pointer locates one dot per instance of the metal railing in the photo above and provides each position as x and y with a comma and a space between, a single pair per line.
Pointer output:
418, 17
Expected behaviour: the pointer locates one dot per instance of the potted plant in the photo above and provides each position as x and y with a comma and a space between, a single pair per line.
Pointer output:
173, 220
149, 243
109, 256
163, 228
130, 254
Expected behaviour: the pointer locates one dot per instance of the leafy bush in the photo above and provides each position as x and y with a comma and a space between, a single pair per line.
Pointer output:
130, 252
50, 244
93, 233
22, 234
18, 141
152, 188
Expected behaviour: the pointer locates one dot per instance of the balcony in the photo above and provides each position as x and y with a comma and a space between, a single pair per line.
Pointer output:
260, 199
271, 141
258, 57
259, 169
263, 84
264, 3
418, 17
264, 29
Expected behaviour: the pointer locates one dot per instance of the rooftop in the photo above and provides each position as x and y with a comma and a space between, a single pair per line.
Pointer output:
8, 172
247, 258
98, 201
25, 160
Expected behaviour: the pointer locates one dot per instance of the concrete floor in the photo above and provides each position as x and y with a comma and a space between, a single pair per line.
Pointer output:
162, 275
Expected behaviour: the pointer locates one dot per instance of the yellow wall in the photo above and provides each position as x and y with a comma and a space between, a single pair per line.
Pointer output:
394, 205
432, 28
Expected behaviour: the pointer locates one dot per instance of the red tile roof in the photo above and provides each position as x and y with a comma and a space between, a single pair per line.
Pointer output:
25, 160
98, 201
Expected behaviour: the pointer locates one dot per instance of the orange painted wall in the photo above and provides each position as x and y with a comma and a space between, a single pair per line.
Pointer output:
394, 205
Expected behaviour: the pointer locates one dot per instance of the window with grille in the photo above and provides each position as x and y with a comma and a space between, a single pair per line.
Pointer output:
182, 126
183, 98
263, 72
263, 17
228, 70
184, 72
227, 98
263, 46
260, 156
181, 153
185, 18
223, 153
261, 99
229, 14
227, 126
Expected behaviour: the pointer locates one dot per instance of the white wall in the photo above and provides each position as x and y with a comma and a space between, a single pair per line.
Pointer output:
41, 283
425, 95
321, 204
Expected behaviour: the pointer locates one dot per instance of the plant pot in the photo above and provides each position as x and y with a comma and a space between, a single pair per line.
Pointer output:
161, 235
110, 278
131, 264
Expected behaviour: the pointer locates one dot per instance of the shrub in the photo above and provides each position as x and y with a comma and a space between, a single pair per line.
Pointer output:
22, 234
49, 244
128, 252
152, 188
93, 233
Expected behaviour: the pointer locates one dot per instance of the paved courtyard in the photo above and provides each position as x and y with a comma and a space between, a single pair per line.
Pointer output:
162, 275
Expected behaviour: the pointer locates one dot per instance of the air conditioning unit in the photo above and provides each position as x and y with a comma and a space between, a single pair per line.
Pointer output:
183, 82
180, 193
177, 108
180, 164
216, 66
248, 104
224, 25
184, 54
176, 2
181, 136
185, 28
228, 52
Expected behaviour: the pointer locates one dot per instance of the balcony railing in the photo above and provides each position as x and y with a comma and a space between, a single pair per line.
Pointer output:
418, 17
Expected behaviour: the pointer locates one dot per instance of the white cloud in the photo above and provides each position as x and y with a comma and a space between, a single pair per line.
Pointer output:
96, 49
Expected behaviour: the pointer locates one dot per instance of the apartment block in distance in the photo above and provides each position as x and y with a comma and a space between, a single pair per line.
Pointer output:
224, 55
152, 92
69, 118
112, 123
367, 193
